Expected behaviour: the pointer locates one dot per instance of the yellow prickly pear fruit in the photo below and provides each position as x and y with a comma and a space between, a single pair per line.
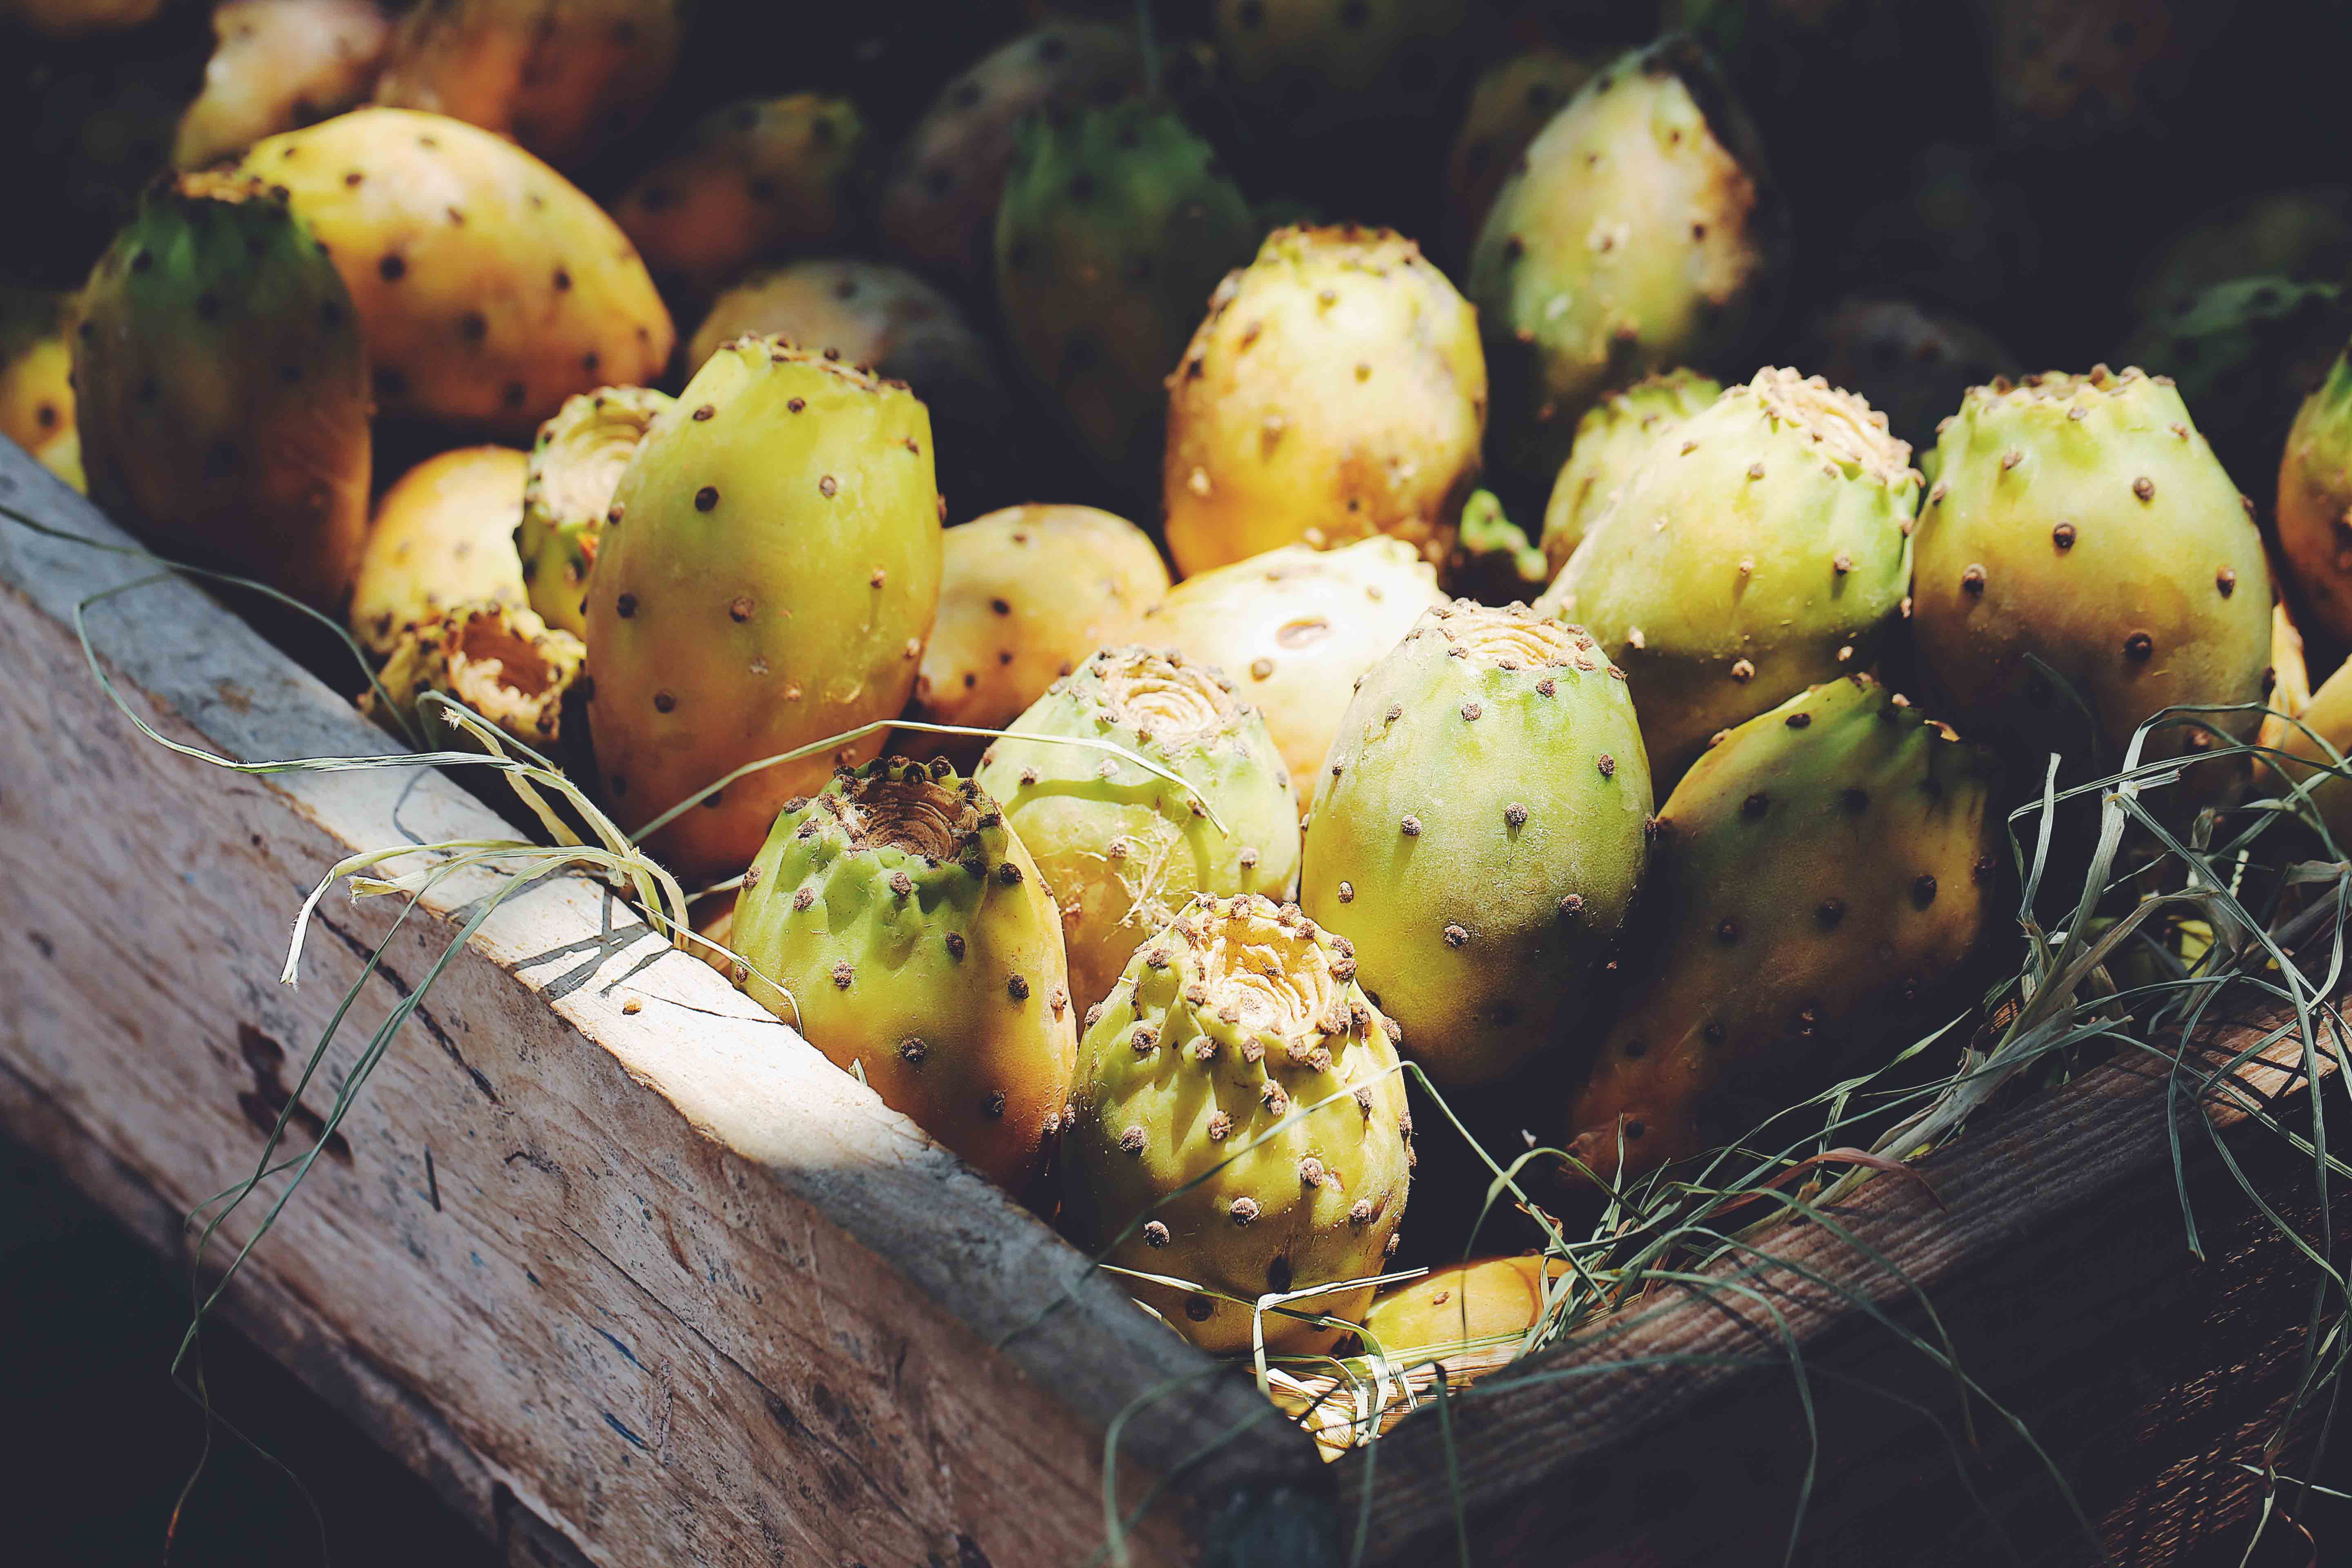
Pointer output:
1486, 1305
1511, 100
443, 536
36, 399
489, 289
504, 663
1335, 391
1760, 548
221, 387
2324, 742
562, 77
1238, 1121
574, 466
1611, 439
910, 934
1479, 833
1641, 231
278, 65
76, 18
1818, 874
61, 455
1296, 628
1122, 848
1025, 596
750, 180
768, 572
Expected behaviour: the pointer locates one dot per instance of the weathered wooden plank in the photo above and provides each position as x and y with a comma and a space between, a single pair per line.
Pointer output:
681, 1286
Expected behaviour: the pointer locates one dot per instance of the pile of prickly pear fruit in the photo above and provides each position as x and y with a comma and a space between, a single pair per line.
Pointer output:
1017, 508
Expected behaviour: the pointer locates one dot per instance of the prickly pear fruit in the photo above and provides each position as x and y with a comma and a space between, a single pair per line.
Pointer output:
1511, 100
938, 204
278, 65
443, 536
504, 663
1489, 1304
2065, 72
1238, 1121
1478, 833
898, 924
575, 465
889, 320
1025, 596
2080, 526
768, 572
751, 180
1116, 225
2324, 742
1758, 549
222, 391
1644, 232
1912, 365
1121, 848
488, 287
77, 18
2305, 235
1611, 439
2315, 502
2243, 355
1294, 627
1817, 873
562, 77
36, 399
1335, 391
1492, 560
1321, 64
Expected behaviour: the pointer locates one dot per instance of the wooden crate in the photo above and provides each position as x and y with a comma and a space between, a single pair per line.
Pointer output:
627, 1270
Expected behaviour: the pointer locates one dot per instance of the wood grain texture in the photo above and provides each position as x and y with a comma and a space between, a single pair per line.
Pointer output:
667, 1277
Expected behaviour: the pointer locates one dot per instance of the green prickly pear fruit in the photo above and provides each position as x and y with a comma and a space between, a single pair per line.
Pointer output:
1238, 1121
278, 65
1758, 549
36, 398
1335, 391
562, 77
1642, 232
750, 180
2080, 527
767, 574
1123, 850
2244, 354
1294, 626
2315, 502
222, 390
1116, 225
1817, 873
937, 204
574, 466
889, 320
504, 663
1025, 596
1478, 833
489, 289
898, 924
1466, 1306
1492, 560
1324, 65
1913, 365
1611, 439
1511, 100
443, 536
2305, 235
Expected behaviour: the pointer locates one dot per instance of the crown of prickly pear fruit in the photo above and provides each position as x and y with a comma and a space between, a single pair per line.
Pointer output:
1238, 1121
500, 661
900, 924
575, 465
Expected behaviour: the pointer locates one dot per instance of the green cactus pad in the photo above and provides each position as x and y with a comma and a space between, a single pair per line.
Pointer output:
912, 936
574, 465
1757, 549
1611, 439
1238, 1121
1123, 850
1816, 872
2081, 545
768, 572
222, 390
2315, 502
1116, 225
1641, 232
1478, 833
